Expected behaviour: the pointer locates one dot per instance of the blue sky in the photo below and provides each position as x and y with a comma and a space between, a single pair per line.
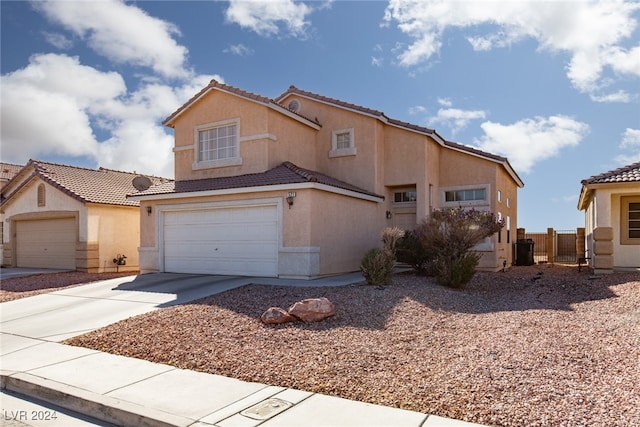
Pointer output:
554, 86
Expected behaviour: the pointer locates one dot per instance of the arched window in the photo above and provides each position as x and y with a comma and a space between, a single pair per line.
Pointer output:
41, 195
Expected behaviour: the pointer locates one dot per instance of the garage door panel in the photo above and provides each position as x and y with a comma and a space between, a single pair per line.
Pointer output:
236, 240
49, 243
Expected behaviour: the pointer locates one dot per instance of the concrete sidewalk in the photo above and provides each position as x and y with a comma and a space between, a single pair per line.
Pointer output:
132, 392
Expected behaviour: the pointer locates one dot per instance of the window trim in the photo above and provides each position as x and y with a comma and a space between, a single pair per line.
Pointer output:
342, 152
466, 203
401, 191
625, 201
217, 163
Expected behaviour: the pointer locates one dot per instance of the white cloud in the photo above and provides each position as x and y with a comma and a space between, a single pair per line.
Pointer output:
270, 18
530, 141
53, 105
631, 144
456, 119
122, 33
556, 26
57, 40
631, 138
239, 50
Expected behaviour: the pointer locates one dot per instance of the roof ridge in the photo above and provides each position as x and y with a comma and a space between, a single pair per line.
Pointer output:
306, 174
293, 89
611, 173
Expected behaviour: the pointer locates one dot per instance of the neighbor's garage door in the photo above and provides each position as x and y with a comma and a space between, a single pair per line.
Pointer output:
229, 240
48, 243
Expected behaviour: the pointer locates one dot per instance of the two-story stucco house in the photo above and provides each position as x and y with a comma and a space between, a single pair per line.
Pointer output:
611, 201
71, 218
302, 186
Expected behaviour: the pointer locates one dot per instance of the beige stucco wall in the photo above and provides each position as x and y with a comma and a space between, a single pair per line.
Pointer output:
604, 211
267, 138
116, 229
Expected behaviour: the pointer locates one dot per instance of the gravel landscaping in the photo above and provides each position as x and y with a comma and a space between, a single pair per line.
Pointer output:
536, 346
36, 284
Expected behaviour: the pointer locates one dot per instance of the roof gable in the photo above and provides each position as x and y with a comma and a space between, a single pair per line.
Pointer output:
103, 186
215, 85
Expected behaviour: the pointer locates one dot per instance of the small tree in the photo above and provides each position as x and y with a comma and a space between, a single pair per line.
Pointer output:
449, 235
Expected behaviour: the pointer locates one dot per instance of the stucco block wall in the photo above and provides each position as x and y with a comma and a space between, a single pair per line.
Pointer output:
602, 224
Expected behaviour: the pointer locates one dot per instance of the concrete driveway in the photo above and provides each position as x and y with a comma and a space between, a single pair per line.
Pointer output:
60, 315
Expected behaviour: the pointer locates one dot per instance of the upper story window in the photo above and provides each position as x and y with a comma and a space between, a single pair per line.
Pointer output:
342, 143
499, 196
409, 196
630, 221
217, 144
42, 196
466, 195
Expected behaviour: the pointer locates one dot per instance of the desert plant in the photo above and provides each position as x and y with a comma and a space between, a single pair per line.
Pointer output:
449, 236
390, 238
410, 250
377, 266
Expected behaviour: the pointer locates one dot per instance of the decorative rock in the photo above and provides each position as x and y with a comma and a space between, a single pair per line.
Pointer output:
312, 309
275, 315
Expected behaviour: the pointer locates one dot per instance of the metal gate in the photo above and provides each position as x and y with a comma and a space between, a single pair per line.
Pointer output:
564, 250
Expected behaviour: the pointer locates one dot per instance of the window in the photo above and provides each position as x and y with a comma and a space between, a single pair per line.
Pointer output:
405, 196
342, 143
216, 144
499, 196
630, 220
508, 203
343, 140
41, 195
465, 195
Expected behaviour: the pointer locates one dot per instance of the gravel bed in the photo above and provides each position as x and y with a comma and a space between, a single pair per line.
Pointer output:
35, 284
536, 346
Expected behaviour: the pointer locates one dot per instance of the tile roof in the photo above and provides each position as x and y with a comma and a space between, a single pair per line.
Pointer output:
104, 186
8, 171
285, 173
629, 173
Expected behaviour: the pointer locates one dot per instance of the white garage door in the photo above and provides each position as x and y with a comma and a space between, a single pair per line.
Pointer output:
49, 243
229, 241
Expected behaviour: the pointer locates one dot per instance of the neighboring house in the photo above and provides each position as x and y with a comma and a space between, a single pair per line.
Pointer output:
68, 217
611, 202
7, 172
302, 186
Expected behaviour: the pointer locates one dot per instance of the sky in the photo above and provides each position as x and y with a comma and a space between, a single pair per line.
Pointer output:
554, 86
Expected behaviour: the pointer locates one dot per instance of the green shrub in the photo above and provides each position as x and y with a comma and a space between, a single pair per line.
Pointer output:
449, 235
410, 250
456, 272
377, 266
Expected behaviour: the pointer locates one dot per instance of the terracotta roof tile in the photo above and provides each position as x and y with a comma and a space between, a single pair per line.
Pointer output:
629, 173
9, 170
104, 186
286, 173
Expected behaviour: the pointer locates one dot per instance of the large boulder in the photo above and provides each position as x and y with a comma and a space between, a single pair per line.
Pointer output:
275, 315
312, 309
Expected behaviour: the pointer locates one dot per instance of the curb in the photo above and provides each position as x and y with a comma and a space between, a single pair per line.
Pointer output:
103, 408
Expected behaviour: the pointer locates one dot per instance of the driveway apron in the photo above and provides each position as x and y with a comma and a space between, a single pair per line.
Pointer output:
60, 315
